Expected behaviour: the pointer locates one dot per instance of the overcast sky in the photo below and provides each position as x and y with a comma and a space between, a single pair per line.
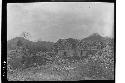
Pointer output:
50, 21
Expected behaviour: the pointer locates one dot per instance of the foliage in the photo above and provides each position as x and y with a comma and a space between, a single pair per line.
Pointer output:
98, 54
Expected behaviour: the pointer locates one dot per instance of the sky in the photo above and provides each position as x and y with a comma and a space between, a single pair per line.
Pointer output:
50, 21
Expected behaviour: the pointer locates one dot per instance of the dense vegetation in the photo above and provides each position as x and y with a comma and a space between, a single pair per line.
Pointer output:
91, 57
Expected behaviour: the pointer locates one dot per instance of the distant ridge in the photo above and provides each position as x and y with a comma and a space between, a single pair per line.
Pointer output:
12, 44
93, 37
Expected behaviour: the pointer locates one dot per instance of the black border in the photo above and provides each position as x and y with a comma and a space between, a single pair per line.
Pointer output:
3, 41
4, 36
27, 1
115, 40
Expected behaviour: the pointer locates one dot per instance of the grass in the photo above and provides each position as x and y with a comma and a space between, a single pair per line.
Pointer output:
49, 72
57, 72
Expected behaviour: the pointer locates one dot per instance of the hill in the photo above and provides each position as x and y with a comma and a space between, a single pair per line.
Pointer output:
94, 55
33, 47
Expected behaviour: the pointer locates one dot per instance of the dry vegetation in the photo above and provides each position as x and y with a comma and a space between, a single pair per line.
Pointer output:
68, 59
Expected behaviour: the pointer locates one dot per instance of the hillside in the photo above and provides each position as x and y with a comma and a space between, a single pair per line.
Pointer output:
32, 46
91, 57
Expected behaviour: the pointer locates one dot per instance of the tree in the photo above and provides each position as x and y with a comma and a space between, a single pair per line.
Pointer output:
26, 35
19, 43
